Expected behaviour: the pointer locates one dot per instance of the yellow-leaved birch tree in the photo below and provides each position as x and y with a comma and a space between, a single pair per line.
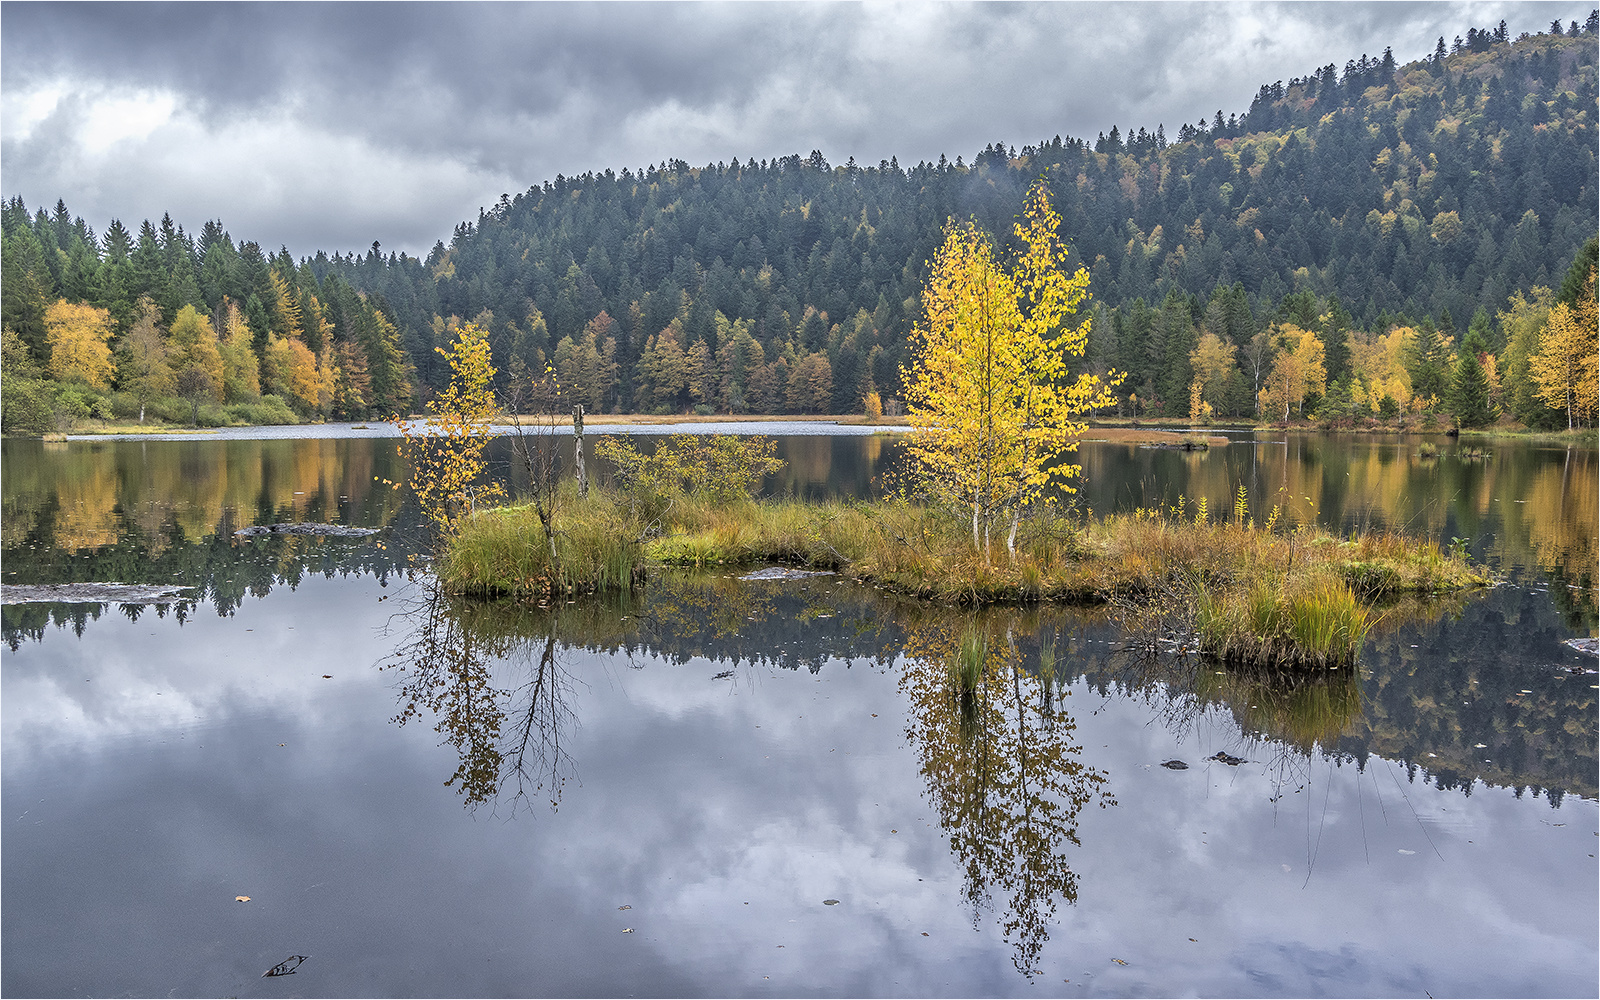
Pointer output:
989, 389
1566, 370
445, 452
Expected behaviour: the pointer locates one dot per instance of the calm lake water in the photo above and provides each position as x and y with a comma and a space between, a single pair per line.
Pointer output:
740, 788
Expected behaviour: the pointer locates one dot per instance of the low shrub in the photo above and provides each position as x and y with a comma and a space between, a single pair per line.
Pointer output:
27, 407
269, 409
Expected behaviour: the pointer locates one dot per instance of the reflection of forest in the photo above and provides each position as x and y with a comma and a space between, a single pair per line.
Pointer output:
816, 466
165, 512
1476, 690
1417, 670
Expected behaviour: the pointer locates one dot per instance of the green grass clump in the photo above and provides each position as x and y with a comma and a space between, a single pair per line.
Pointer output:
1292, 621
504, 551
967, 660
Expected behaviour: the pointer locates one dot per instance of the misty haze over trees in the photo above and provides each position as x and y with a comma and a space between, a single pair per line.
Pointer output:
1362, 241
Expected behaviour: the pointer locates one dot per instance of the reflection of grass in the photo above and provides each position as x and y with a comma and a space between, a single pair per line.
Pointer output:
967, 660
1305, 710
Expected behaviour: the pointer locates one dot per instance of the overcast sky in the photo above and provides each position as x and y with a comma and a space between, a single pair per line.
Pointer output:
329, 126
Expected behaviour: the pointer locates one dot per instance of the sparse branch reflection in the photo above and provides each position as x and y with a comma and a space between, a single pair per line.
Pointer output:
491, 678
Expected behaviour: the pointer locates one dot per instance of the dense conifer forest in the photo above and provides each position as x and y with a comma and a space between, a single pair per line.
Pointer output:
1371, 242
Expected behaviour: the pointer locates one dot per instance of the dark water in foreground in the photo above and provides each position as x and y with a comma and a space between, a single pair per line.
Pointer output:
446, 798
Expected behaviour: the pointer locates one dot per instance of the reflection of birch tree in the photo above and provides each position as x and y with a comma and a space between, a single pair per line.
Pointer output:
1005, 777
503, 735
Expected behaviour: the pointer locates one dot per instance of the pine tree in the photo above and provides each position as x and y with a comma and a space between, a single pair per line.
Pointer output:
1469, 392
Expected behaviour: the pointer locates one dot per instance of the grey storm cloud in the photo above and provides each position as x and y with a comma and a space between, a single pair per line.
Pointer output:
328, 125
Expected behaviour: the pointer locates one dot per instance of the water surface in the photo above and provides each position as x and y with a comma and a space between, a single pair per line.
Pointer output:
433, 797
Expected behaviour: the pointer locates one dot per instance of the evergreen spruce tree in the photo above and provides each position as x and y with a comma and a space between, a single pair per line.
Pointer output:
1469, 392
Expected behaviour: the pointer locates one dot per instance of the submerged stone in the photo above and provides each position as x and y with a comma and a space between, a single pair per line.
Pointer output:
91, 593
325, 530
785, 573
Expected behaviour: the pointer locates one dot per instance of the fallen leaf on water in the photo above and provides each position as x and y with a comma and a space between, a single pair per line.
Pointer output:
924, 933
241, 899
327, 677
1192, 939
1119, 961
285, 967
627, 930
625, 906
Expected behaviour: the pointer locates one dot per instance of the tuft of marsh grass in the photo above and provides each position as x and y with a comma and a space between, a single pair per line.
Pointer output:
1311, 621
966, 662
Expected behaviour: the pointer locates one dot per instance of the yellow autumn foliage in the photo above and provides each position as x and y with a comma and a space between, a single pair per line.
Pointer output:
445, 452
79, 336
1567, 367
988, 390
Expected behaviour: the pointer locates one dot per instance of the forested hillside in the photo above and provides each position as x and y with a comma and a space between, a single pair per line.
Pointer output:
1345, 244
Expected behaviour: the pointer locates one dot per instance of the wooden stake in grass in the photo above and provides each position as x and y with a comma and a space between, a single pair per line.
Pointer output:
577, 436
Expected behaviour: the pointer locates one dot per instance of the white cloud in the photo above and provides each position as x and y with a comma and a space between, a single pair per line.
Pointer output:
22, 112
340, 124
270, 177
113, 119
